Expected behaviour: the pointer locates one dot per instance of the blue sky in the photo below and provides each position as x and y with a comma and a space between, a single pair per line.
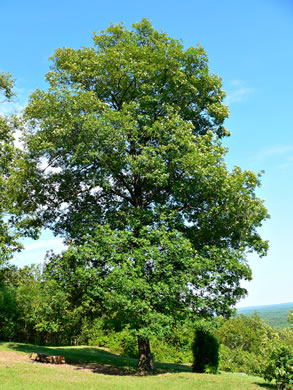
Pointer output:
249, 44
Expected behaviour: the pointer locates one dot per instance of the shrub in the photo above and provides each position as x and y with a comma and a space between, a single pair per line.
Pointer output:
124, 343
93, 333
246, 333
237, 360
165, 351
174, 346
205, 349
97, 333
9, 315
247, 342
280, 367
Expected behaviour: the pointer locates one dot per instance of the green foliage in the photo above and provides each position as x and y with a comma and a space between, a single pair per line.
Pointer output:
274, 315
174, 348
8, 313
240, 350
6, 85
96, 333
8, 239
137, 281
247, 333
280, 367
130, 130
290, 317
54, 318
286, 336
13, 224
34, 309
246, 343
205, 349
158, 228
237, 360
18, 296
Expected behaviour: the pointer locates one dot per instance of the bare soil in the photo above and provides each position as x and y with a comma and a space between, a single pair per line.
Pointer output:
8, 358
12, 357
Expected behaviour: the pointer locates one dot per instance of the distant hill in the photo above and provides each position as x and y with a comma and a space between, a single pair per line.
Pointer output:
274, 315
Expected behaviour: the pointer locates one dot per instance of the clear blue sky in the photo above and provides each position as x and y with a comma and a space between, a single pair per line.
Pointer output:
249, 44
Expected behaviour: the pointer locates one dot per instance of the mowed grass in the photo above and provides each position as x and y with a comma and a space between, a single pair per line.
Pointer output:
94, 368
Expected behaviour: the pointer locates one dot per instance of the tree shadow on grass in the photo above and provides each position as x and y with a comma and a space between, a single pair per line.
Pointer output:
98, 360
266, 385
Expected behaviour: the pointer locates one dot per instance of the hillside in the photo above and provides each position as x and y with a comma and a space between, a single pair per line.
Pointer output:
274, 315
97, 369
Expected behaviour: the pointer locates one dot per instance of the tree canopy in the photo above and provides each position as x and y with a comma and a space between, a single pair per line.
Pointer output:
124, 159
13, 221
8, 242
6, 85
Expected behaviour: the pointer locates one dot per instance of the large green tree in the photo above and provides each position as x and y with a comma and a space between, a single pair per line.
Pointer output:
124, 159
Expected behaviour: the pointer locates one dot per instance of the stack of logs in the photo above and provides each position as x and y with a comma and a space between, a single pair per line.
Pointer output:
44, 358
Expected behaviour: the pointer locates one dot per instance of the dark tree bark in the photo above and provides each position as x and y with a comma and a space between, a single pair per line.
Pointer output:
145, 360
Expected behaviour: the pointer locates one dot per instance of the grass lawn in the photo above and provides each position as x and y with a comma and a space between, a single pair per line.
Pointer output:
94, 368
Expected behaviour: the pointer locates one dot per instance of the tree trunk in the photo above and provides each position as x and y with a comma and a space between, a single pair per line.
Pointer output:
145, 360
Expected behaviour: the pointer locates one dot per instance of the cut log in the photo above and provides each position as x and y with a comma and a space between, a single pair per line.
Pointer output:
44, 358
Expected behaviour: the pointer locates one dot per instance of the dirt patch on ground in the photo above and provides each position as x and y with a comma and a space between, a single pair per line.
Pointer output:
9, 357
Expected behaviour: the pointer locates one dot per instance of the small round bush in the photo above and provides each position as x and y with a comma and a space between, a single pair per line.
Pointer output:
280, 367
205, 349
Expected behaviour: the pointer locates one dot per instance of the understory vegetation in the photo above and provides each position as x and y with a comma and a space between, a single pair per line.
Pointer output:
35, 310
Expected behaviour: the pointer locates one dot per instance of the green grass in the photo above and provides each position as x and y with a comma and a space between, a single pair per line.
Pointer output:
107, 372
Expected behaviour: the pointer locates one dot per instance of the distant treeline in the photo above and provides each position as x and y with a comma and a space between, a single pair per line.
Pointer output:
274, 315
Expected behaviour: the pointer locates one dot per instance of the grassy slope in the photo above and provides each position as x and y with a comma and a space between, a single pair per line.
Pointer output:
274, 315
25, 375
